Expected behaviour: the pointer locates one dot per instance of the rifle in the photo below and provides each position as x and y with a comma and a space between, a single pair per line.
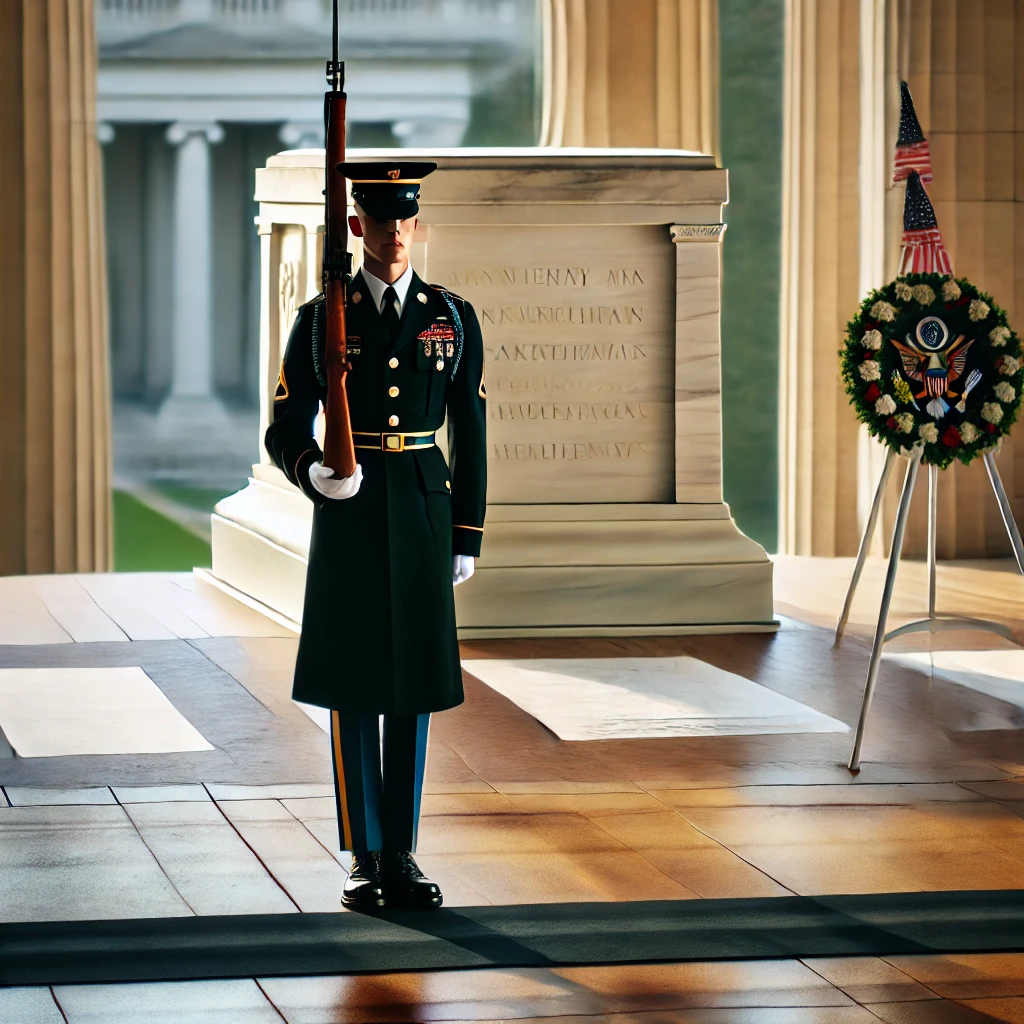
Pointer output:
339, 449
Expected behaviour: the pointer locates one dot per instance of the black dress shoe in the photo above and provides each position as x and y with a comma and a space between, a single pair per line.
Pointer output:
364, 889
406, 885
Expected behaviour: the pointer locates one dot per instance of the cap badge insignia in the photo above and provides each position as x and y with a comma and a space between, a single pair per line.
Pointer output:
394, 175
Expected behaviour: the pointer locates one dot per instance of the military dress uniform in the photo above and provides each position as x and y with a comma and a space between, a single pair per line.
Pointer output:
378, 628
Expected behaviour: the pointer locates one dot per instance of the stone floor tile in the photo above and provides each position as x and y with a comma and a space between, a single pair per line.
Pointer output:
439, 996
33, 1005
319, 816
966, 975
29, 796
565, 786
817, 869
869, 979
190, 793
734, 826
714, 872
654, 830
733, 1015
1010, 1010
549, 994
466, 803
173, 1002
513, 877
589, 804
441, 787
817, 796
209, 864
524, 833
310, 874
79, 863
931, 1012
221, 791
1010, 791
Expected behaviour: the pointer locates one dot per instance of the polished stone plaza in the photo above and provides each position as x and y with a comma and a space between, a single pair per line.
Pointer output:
514, 815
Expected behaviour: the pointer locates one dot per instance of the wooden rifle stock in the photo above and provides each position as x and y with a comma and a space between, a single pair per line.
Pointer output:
339, 449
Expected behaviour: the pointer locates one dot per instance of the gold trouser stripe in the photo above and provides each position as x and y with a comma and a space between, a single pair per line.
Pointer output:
479, 529
339, 768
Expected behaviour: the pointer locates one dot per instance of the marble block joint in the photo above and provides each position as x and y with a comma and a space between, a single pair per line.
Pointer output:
596, 276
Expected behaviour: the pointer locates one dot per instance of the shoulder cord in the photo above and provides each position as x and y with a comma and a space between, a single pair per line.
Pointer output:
459, 332
317, 361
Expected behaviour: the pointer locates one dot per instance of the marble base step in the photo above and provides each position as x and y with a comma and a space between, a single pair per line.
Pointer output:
560, 570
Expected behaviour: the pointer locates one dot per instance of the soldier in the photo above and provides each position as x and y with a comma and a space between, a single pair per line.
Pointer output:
378, 627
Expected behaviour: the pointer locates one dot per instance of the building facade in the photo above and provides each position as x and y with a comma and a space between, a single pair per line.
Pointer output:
194, 95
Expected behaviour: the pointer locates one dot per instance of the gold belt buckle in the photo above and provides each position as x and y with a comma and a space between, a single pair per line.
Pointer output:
392, 442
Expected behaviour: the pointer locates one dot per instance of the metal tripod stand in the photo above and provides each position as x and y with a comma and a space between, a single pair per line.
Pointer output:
934, 623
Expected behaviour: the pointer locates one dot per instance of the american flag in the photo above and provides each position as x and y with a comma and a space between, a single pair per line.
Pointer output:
922, 250
913, 157
912, 152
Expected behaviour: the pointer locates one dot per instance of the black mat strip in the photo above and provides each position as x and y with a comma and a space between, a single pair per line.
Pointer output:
562, 934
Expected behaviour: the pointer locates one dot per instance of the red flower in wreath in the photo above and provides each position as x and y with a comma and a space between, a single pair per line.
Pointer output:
873, 393
951, 437
891, 422
991, 428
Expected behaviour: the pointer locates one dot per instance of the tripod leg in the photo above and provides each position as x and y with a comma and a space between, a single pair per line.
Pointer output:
933, 505
1004, 508
898, 531
865, 544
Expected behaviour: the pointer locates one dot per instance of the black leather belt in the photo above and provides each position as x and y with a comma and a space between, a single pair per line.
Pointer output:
393, 442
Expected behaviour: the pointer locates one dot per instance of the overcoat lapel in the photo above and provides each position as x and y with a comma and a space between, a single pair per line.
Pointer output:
417, 316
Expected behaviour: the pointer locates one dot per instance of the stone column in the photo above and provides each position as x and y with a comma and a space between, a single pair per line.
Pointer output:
55, 416
630, 73
820, 277
962, 60
192, 403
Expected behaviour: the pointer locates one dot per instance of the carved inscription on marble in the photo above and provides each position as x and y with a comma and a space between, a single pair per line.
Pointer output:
578, 326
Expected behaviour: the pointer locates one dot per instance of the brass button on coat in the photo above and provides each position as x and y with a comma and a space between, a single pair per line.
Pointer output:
393, 362
440, 364
393, 391
392, 421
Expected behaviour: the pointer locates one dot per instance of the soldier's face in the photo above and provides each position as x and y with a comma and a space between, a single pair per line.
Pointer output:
386, 241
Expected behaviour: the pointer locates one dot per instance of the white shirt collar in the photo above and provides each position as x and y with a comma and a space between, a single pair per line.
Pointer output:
377, 286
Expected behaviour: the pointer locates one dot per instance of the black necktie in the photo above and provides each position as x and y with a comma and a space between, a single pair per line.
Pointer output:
390, 312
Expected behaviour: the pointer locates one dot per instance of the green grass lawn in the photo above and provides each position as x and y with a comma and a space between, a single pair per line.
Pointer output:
145, 541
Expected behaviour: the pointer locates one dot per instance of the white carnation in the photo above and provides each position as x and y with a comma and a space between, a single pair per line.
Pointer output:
903, 291
872, 339
969, 433
905, 421
1008, 365
992, 412
950, 290
883, 310
928, 432
1004, 392
923, 294
885, 406
869, 370
978, 310
999, 336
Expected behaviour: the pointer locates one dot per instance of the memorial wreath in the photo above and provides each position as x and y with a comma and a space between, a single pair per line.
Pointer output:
931, 360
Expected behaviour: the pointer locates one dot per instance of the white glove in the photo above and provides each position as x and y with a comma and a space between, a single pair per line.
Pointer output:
463, 566
322, 478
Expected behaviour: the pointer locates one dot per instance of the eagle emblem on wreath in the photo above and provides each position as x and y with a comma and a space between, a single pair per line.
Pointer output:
936, 364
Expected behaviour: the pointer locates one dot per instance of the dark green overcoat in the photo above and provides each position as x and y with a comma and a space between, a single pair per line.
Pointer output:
378, 625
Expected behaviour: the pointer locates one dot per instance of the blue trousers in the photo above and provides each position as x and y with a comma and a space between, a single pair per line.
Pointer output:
378, 796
